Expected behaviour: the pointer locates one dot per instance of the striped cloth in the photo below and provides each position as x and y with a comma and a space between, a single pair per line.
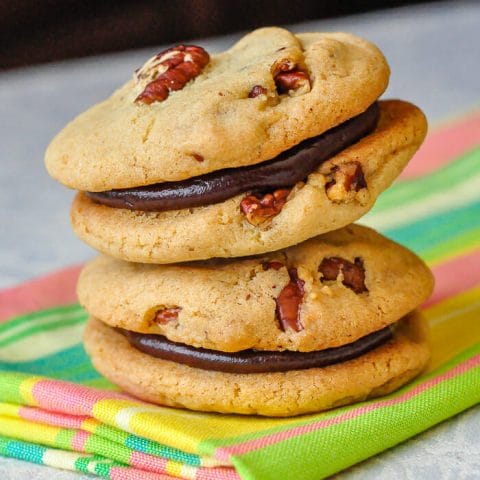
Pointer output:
56, 410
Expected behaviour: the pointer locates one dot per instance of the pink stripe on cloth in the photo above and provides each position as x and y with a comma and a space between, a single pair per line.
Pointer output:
52, 418
51, 290
66, 397
155, 464
224, 454
118, 473
444, 145
79, 440
455, 276
217, 473
143, 460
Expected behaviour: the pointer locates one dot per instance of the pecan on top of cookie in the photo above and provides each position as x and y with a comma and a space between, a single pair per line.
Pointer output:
168, 71
241, 107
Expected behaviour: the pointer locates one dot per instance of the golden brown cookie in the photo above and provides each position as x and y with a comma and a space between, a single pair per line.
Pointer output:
354, 281
215, 120
294, 392
325, 202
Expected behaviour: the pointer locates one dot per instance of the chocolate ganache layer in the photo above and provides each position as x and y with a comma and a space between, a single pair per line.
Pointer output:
288, 168
252, 361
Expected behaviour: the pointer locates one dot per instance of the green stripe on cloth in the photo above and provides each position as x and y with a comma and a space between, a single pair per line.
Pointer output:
440, 181
58, 458
64, 364
209, 447
440, 234
22, 450
393, 213
38, 315
337, 446
45, 327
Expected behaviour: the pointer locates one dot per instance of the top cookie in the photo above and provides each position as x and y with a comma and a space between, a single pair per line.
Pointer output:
213, 122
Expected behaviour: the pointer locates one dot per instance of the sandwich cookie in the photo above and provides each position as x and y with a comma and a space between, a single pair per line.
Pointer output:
282, 393
274, 141
302, 193
301, 313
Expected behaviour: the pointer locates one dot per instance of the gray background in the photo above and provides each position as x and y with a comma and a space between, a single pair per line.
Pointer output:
434, 54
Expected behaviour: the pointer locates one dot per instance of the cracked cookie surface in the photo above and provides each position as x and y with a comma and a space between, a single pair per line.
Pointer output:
233, 305
222, 230
215, 121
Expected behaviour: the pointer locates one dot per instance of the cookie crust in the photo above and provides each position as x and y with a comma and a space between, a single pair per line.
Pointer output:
272, 394
230, 305
119, 143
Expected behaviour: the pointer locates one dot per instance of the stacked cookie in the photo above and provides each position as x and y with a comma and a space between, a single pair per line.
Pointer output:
209, 173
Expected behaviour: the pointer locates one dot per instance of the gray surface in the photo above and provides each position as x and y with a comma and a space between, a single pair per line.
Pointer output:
434, 54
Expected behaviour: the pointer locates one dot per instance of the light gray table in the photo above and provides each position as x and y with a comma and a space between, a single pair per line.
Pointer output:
435, 58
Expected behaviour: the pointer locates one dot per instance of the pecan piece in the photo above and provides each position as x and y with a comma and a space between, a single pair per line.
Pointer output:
256, 91
259, 208
288, 302
345, 181
353, 273
198, 157
294, 80
168, 71
289, 78
166, 315
272, 264
283, 65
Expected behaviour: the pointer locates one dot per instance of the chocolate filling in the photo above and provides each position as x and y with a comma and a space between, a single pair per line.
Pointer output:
252, 361
286, 170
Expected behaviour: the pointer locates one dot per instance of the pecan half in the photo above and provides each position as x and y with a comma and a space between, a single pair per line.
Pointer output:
259, 208
353, 273
166, 315
345, 181
256, 91
288, 303
168, 71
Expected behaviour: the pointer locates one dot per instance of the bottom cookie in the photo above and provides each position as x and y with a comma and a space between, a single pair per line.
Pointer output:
294, 392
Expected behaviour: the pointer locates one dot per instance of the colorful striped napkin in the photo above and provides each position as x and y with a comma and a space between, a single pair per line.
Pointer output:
56, 410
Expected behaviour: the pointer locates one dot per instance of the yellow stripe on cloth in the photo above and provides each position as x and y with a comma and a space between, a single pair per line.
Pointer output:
10, 410
26, 390
455, 326
26, 430
181, 429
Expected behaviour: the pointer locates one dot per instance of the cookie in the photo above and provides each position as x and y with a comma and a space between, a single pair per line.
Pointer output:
266, 94
340, 191
326, 292
294, 392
